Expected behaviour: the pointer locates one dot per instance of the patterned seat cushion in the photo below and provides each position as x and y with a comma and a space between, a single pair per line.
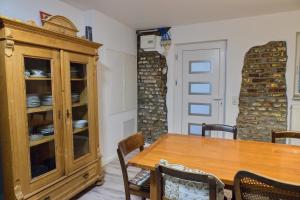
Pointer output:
179, 189
141, 180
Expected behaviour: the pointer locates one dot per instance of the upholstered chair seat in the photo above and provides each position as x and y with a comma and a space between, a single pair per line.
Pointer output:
141, 181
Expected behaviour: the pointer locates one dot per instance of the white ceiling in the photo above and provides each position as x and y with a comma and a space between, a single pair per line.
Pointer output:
142, 14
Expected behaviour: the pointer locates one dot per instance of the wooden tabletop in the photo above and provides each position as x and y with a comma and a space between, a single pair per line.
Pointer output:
223, 157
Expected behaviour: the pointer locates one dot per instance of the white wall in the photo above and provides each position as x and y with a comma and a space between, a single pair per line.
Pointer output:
120, 39
116, 37
241, 34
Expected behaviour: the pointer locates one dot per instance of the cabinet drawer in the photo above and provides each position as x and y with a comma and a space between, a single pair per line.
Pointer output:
70, 186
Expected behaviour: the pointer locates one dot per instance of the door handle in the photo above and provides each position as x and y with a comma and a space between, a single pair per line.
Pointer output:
217, 99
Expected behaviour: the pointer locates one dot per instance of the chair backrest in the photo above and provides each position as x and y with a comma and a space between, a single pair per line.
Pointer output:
284, 134
125, 147
219, 127
187, 176
250, 186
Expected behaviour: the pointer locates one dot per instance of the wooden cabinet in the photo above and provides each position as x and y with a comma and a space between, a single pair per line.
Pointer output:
49, 113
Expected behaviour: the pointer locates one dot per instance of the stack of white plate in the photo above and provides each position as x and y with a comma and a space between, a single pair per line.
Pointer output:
80, 123
47, 100
75, 97
46, 130
33, 101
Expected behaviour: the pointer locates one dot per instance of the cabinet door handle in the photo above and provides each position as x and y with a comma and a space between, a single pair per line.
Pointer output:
59, 114
86, 175
68, 113
47, 198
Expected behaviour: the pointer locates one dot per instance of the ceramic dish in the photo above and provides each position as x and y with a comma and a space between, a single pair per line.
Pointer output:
80, 123
46, 130
35, 137
75, 98
47, 100
27, 73
38, 73
33, 101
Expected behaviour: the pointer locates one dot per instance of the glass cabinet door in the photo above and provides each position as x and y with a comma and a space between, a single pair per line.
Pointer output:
40, 105
79, 85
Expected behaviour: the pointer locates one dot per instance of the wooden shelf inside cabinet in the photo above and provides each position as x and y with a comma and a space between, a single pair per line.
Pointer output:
41, 141
79, 104
79, 130
39, 109
37, 79
78, 79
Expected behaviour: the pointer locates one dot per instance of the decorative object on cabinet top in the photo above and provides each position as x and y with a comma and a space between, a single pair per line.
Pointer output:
58, 33
60, 24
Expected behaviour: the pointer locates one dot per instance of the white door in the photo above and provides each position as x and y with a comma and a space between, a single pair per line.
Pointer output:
203, 86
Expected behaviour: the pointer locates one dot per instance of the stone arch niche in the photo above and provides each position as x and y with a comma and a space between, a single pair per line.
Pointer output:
263, 100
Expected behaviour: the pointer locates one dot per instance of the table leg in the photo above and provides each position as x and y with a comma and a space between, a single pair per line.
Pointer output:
153, 188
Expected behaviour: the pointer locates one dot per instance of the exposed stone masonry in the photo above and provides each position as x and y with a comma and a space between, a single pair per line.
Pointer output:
152, 91
263, 101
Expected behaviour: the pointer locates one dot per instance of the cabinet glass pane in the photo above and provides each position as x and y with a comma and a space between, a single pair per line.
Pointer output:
200, 88
39, 101
199, 109
200, 67
79, 101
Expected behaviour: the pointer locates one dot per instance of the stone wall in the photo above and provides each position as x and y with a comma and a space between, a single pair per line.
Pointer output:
263, 101
152, 91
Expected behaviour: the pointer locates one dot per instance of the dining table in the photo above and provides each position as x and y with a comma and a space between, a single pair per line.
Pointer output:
221, 157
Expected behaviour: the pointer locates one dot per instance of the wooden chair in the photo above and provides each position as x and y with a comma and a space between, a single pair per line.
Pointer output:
219, 127
195, 177
250, 186
284, 134
140, 184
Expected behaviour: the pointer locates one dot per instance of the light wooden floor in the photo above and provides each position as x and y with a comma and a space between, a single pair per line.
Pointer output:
113, 188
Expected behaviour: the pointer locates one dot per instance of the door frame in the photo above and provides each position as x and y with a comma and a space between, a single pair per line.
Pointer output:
178, 77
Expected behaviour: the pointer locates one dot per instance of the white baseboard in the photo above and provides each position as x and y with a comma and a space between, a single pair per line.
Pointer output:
109, 159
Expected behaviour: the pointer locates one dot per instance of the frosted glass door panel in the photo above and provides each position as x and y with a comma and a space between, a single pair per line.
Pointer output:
195, 129
200, 88
199, 109
200, 67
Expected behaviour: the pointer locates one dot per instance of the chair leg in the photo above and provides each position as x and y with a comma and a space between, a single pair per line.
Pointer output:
143, 198
127, 196
233, 195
